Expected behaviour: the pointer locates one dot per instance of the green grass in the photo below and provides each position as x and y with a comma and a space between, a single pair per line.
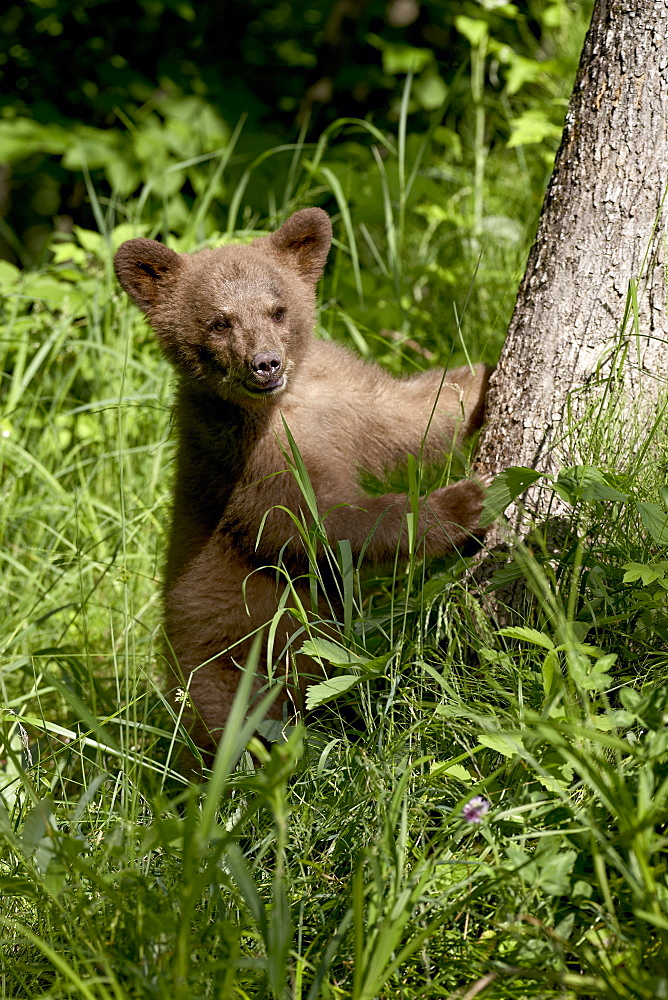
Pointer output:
338, 864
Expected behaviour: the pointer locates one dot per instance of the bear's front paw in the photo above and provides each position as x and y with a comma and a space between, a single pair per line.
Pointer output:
457, 509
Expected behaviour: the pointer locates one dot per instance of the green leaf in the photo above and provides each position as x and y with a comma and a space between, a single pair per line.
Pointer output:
522, 70
398, 58
655, 521
318, 694
12, 885
474, 30
581, 630
294, 55
601, 491
35, 826
332, 652
505, 576
553, 16
507, 486
90, 240
91, 148
529, 635
631, 699
585, 483
500, 743
430, 89
620, 718
554, 873
66, 251
646, 572
552, 783
652, 918
123, 176
21, 138
597, 678
448, 770
551, 673
405, 59
126, 231
56, 294
571, 480
532, 127
9, 273
239, 871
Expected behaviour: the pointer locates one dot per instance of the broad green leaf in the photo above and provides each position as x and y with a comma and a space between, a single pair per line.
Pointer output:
35, 825
474, 30
554, 873
21, 138
56, 294
606, 661
586, 483
90, 240
528, 634
631, 699
66, 251
532, 127
522, 70
332, 652
430, 89
126, 231
398, 58
123, 176
655, 521
507, 486
318, 694
91, 148
501, 744
621, 718
581, 630
596, 676
646, 572
9, 273
552, 783
448, 770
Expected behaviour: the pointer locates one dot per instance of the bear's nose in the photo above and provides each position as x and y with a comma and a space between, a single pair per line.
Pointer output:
267, 364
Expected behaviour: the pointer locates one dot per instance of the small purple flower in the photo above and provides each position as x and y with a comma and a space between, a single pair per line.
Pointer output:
474, 810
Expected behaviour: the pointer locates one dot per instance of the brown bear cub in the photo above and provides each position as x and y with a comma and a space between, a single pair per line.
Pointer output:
237, 325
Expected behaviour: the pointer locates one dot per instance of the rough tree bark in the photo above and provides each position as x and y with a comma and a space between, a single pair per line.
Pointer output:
603, 226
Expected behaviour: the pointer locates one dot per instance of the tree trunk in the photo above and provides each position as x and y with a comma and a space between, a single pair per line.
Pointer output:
602, 229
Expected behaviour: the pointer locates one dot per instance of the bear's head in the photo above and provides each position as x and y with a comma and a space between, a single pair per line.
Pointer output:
235, 320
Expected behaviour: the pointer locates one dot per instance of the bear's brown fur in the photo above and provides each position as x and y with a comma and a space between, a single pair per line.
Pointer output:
237, 325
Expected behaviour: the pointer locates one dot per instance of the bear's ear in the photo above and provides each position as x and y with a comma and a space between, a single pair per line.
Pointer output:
304, 242
142, 266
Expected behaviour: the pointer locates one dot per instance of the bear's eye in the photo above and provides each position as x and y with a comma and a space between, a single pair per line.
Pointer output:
278, 315
220, 324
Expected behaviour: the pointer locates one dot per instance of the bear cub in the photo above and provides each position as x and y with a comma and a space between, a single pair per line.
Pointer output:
237, 325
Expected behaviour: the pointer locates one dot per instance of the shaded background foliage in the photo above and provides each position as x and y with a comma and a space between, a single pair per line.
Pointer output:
125, 91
